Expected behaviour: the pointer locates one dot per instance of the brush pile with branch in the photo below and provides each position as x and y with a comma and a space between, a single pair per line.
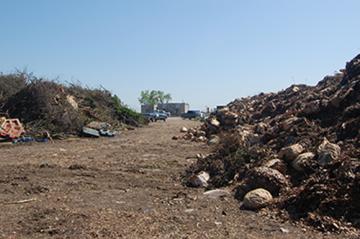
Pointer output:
44, 105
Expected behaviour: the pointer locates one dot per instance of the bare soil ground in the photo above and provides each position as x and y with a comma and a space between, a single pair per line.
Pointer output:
124, 187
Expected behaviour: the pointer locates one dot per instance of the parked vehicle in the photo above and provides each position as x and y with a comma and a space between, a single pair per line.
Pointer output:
164, 112
152, 117
161, 115
192, 114
155, 116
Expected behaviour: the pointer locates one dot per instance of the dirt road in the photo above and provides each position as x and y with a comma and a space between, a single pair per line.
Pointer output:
124, 187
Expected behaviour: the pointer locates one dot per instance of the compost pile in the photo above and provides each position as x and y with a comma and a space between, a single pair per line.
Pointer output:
60, 109
302, 145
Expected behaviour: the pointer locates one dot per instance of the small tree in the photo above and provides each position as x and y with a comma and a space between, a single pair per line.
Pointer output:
154, 97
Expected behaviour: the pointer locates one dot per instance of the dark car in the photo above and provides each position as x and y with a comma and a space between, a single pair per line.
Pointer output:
192, 114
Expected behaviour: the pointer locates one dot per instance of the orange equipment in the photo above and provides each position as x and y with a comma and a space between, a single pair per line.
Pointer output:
10, 128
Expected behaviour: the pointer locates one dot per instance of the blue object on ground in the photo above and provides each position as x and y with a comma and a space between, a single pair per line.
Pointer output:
23, 139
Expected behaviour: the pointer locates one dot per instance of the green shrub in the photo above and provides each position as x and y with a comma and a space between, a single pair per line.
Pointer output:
126, 114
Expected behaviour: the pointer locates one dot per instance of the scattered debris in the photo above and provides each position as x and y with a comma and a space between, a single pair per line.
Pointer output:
71, 100
214, 140
199, 180
257, 199
290, 153
99, 125
200, 156
97, 129
183, 130
106, 133
284, 230
214, 123
277, 164
77, 167
328, 152
90, 132
190, 210
193, 134
20, 202
23, 139
262, 177
303, 161
216, 193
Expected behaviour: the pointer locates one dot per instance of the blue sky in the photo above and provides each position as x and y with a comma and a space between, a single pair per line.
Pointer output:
205, 52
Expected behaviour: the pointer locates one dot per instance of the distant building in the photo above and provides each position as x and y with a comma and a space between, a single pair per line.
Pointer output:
175, 109
147, 108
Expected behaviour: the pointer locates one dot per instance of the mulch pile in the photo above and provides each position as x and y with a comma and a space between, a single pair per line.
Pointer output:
301, 144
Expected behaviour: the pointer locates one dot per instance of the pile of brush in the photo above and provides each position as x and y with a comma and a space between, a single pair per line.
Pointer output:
60, 109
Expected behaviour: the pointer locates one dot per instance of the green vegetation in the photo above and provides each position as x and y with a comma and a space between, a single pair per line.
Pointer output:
125, 113
154, 97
